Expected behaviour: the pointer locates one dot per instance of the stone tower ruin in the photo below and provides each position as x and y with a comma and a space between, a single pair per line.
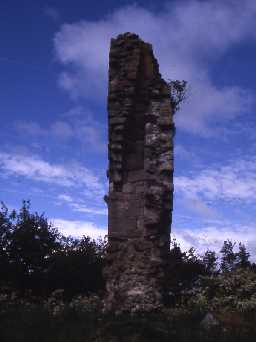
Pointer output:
140, 175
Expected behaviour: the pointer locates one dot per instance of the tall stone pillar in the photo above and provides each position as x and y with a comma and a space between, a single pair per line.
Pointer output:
140, 175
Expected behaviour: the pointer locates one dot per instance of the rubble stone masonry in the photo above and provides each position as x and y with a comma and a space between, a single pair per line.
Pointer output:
140, 175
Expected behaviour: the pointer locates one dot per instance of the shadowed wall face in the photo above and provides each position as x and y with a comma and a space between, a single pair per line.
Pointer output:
140, 177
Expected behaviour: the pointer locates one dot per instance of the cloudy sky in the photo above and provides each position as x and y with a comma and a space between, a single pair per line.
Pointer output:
53, 138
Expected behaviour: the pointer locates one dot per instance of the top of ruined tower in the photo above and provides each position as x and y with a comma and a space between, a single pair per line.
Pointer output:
126, 46
128, 35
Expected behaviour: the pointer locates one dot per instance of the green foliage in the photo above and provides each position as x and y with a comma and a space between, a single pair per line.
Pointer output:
177, 90
49, 321
77, 267
228, 260
35, 256
184, 269
210, 262
82, 320
27, 244
231, 260
51, 289
242, 257
228, 291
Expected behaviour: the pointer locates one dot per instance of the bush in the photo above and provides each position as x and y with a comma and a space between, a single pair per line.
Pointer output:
35, 257
229, 291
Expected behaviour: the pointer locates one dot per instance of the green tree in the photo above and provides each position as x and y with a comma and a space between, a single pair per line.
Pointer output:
184, 269
210, 261
6, 219
228, 259
77, 267
242, 257
31, 242
35, 256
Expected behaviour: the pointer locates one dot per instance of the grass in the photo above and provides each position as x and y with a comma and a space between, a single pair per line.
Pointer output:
36, 324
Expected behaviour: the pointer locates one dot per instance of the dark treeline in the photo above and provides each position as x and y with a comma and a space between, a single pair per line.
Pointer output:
36, 259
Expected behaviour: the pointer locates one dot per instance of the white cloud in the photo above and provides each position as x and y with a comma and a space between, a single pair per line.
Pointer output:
89, 131
37, 169
234, 181
59, 129
62, 130
65, 198
80, 206
187, 36
79, 228
77, 124
212, 237
194, 204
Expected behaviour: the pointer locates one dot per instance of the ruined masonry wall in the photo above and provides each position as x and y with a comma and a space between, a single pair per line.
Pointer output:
140, 177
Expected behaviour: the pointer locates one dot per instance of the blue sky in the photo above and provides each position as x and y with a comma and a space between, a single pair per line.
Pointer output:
53, 67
